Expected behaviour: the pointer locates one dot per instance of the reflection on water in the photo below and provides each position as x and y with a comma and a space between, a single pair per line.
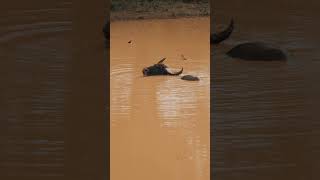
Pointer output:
261, 125
33, 53
122, 100
159, 125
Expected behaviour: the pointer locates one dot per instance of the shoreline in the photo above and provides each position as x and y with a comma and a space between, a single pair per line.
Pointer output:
156, 18
148, 10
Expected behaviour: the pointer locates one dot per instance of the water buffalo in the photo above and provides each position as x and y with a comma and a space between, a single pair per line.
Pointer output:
159, 69
217, 38
256, 51
250, 50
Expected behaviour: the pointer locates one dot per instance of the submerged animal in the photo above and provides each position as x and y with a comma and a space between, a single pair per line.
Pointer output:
250, 50
159, 69
257, 51
190, 78
217, 38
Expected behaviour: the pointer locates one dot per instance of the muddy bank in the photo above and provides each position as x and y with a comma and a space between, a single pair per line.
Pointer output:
153, 9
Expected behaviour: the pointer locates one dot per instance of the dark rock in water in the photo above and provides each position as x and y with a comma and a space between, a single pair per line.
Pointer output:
159, 69
190, 78
257, 51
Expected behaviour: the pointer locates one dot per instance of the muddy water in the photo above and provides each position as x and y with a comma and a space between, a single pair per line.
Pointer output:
262, 126
33, 51
159, 125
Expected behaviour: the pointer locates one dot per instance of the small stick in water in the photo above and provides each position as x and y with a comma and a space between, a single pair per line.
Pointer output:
183, 58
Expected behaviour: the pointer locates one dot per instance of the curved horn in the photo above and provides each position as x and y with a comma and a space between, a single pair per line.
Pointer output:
216, 38
175, 74
106, 30
161, 61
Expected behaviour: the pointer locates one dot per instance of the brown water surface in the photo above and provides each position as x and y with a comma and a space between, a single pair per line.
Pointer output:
34, 49
52, 90
159, 125
262, 126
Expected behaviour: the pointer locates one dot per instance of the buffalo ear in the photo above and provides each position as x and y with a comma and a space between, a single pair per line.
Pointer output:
161, 61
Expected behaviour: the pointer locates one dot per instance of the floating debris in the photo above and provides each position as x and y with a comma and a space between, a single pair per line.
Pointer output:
183, 58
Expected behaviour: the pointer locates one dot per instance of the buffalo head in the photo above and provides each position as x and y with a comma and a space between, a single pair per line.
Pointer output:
159, 69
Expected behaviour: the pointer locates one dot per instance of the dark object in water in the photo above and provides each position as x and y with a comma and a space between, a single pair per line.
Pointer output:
190, 78
106, 30
257, 51
217, 38
159, 69
183, 58
129, 41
